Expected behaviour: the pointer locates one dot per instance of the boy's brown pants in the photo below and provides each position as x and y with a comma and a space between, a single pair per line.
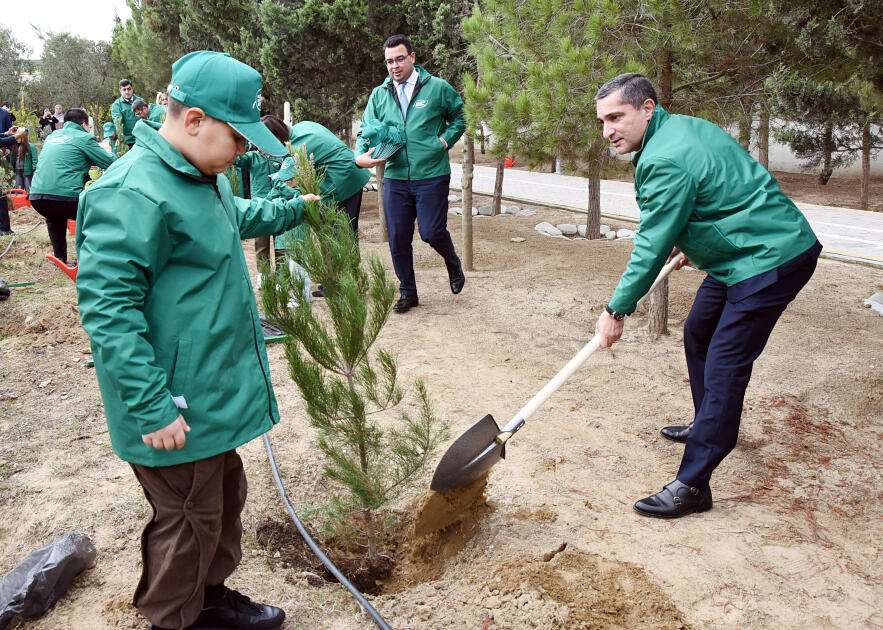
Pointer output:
193, 539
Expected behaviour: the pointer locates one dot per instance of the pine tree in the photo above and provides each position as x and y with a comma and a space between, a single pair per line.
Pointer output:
350, 388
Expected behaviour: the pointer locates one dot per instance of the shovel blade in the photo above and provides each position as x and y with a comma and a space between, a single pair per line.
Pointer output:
469, 457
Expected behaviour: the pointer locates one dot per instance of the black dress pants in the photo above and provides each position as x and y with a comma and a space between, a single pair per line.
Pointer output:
57, 213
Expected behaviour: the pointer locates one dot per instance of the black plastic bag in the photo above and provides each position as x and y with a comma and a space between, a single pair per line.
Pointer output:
32, 587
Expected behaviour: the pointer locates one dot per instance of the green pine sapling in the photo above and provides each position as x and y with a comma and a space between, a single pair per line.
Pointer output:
350, 388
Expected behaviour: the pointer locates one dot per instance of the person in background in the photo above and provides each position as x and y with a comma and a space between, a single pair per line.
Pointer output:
59, 117
23, 158
121, 111
344, 179
141, 109
7, 140
5, 120
66, 158
258, 167
158, 109
47, 122
110, 134
417, 178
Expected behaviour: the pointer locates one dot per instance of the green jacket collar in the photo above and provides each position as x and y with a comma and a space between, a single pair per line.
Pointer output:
656, 121
71, 126
422, 75
147, 137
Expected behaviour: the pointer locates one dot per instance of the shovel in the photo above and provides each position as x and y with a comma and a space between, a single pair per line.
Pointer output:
484, 444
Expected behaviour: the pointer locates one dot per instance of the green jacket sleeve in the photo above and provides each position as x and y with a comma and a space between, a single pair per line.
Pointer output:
118, 252
33, 158
370, 114
96, 154
455, 118
667, 197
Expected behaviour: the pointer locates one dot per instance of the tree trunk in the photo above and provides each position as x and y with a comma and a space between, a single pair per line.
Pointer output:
663, 77
466, 185
384, 235
763, 136
481, 136
593, 216
658, 311
866, 164
745, 131
828, 148
498, 186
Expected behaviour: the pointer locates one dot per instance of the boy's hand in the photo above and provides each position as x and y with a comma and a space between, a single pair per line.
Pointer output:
170, 437
311, 197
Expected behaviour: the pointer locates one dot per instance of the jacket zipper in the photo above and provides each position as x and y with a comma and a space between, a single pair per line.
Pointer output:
257, 352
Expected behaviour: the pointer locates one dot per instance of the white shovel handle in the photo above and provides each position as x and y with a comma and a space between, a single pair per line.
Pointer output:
574, 364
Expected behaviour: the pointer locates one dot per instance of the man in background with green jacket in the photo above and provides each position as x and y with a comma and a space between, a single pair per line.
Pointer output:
701, 193
165, 295
121, 111
417, 177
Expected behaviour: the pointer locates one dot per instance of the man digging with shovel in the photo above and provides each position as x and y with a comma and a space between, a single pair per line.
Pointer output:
700, 192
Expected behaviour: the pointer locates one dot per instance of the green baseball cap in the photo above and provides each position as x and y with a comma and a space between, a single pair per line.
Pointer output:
287, 171
225, 89
109, 128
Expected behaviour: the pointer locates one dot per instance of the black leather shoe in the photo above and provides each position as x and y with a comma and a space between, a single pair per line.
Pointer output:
457, 278
405, 303
676, 499
234, 610
676, 432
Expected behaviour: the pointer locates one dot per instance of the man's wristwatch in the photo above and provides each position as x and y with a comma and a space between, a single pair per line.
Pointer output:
617, 316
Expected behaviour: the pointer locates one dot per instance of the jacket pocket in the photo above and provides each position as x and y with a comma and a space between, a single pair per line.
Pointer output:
179, 383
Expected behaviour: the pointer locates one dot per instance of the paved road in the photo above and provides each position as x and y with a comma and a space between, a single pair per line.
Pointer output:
846, 233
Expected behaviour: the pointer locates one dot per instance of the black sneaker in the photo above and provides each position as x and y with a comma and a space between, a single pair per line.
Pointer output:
232, 609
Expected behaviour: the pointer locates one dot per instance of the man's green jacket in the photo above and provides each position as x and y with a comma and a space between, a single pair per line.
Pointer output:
122, 110
66, 157
434, 111
700, 190
343, 178
165, 295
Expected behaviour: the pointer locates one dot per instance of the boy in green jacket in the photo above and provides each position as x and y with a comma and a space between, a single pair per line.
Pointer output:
165, 296
417, 178
701, 193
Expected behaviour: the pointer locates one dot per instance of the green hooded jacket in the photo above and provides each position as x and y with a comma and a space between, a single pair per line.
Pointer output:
122, 110
66, 157
165, 296
700, 190
434, 111
343, 178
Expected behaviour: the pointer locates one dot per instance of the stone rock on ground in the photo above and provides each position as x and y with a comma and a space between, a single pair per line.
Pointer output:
604, 228
453, 198
624, 233
610, 235
547, 229
486, 210
517, 239
875, 302
568, 229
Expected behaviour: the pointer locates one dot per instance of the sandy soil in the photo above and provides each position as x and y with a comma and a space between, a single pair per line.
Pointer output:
793, 539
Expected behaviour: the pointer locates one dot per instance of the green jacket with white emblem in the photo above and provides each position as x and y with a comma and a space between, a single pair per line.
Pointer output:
66, 157
435, 111
700, 190
165, 295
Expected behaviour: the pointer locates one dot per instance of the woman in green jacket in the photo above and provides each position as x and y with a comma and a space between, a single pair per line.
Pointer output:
23, 158
67, 155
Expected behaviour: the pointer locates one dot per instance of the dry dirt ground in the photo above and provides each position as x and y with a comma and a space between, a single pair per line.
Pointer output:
794, 539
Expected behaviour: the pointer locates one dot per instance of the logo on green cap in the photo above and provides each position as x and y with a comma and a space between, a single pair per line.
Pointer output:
257, 101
